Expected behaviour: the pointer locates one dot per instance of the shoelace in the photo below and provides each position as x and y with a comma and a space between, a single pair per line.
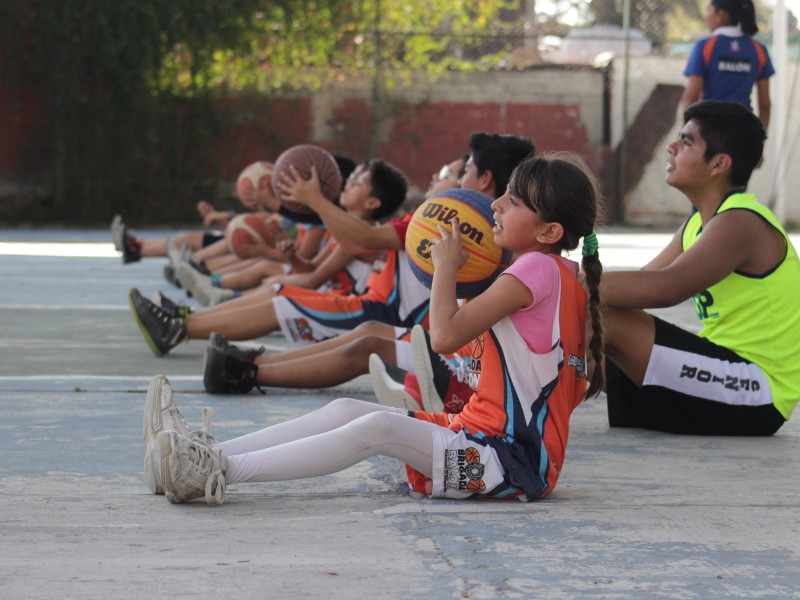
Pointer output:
179, 318
203, 434
242, 372
251, 370
204, 459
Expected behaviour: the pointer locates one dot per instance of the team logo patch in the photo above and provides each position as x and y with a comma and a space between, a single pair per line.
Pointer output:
578, 362
463, 470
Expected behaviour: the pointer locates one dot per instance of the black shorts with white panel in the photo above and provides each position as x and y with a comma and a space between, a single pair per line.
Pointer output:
693, 386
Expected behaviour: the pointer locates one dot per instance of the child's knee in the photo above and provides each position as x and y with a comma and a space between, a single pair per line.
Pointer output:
378, 427
370, 328
360, 349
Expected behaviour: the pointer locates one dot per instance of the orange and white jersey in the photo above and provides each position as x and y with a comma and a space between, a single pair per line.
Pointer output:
393, 283
524, 399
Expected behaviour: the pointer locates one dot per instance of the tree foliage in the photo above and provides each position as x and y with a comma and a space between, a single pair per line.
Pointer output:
130, 89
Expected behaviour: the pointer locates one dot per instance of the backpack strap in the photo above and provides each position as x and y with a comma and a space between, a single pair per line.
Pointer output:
762, 57
708, 49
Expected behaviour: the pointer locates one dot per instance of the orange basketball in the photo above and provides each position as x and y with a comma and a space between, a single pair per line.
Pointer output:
246, 229
485, 259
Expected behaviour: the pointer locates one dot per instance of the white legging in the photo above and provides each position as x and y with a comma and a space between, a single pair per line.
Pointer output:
339, 435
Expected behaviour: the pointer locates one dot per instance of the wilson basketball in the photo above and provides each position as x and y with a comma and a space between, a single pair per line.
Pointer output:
302, 158
485, 259
255, 177
259, 228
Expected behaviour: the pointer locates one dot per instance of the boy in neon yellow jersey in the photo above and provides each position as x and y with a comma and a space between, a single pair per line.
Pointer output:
739, 376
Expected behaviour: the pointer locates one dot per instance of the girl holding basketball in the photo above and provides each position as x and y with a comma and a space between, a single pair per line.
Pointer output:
528, 368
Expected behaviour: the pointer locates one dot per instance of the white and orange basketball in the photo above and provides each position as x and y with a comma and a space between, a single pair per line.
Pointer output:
247, 229
485, 259
254, 178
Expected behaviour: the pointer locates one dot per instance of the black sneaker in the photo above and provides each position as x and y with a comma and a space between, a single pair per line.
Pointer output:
224, 373
131, 247
161, 330
175, 309
216, 340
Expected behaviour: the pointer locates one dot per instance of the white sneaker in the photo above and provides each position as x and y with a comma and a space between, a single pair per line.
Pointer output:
161, 414
186, 253
193, 281
429, 369
388, 383
173, 253
191, 469
220, 295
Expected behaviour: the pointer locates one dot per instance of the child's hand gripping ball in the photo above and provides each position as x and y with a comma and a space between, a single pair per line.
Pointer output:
485, 259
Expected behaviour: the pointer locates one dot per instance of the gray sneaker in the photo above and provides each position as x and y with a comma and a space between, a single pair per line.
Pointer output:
200, 286
162, 414
173, 253
190, 469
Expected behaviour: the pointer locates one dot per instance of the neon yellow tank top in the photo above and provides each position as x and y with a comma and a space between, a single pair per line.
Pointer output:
756, 316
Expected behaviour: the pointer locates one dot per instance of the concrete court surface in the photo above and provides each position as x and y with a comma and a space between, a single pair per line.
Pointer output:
635, 515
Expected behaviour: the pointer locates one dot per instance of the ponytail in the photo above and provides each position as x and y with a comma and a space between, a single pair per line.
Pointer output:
747, 18
740, 12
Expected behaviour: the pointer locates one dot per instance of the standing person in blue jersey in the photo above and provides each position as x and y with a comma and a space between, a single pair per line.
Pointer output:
727, 64
732, 257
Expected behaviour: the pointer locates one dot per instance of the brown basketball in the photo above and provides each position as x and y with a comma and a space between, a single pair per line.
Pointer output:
302, 158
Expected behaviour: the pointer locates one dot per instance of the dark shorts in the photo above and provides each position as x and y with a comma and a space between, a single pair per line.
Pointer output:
212, 237
693, 386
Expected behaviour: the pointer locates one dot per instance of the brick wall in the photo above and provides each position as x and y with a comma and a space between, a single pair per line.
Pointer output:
427, 124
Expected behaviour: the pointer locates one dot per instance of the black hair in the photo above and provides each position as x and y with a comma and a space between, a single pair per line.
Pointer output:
730, 128
463, 168
389, 185
346, 166
740, 12
499, 154
562, 189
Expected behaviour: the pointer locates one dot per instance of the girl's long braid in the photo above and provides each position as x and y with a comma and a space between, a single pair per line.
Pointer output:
593, 271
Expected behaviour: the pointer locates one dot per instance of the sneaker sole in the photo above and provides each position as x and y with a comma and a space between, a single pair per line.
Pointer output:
169, 275
147, 337
215, 340
389, 394
211, 361
164, 450
152, 424
191, 283
116, 232
422, 369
